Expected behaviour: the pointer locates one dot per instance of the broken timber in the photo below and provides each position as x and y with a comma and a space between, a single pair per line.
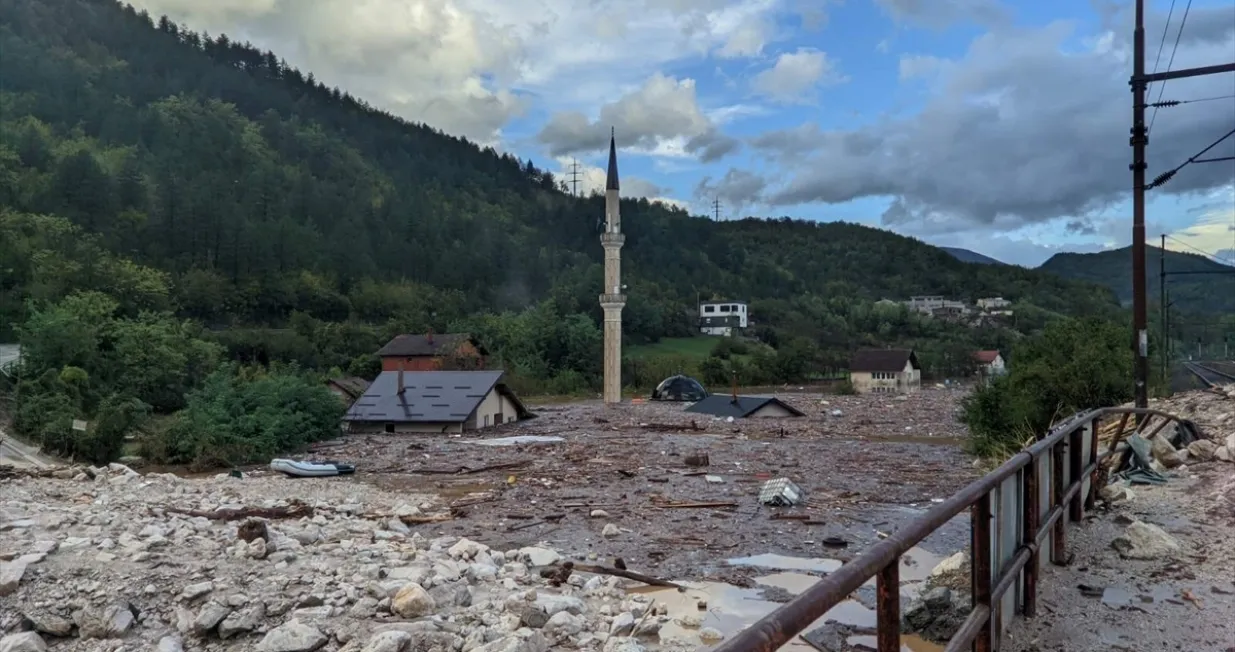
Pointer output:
295, 510
560, 573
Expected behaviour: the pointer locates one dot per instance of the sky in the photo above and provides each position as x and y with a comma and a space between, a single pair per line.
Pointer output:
999, 126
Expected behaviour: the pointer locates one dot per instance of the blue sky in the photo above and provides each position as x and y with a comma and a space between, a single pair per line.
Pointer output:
999, 126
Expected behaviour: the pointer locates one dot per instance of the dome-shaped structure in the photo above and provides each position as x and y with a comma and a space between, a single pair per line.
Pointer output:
679, 388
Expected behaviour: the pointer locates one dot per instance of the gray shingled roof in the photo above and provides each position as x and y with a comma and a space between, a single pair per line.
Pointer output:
889, 360
440, 344
722, 405
428, 396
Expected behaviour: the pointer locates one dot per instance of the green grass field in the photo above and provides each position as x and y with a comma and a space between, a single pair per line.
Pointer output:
688, 347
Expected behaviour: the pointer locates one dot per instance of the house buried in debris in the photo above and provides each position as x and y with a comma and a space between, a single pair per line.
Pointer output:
434, 401
890, 371
430, 352
744, 407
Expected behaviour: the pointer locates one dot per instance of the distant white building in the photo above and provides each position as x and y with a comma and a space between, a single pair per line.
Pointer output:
723, 317
995, 306
937, 306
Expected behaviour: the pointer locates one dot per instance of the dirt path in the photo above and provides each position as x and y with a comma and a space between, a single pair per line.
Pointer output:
1182, 601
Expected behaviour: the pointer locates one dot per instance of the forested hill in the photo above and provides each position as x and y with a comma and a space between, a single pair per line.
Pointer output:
1204, 286
261, 193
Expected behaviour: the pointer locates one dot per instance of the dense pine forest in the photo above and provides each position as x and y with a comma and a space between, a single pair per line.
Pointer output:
172, 202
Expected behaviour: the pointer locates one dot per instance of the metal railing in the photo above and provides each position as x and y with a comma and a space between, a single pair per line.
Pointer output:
1016, 514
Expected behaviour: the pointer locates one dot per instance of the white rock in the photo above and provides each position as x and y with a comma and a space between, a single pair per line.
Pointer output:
23, 642
194, 591
293, 636
170, 644
599, 513
466, 549
389, 641
413, 601
1202, 449
710, 635
610, 531
10, 576
951, 564
1224, 454
564, 623
110, 621
622, 625
1145, 541
538, 556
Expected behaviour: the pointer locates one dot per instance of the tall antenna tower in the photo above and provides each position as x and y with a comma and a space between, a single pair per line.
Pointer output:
574, 177
716, 208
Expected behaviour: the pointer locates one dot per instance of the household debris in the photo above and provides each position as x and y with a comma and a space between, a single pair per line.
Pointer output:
781, 492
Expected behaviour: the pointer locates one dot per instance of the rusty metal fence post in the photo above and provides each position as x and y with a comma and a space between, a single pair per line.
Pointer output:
888, 598
1059, 536
1029, 538
980, 572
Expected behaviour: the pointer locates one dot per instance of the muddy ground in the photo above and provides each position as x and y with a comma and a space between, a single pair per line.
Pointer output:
866, 470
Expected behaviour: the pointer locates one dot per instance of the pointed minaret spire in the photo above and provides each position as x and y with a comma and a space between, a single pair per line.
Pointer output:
611, 180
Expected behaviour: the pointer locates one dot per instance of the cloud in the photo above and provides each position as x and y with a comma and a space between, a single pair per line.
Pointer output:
1023, 128
737, 190
651, 118
943, 13
468, 67
795, 74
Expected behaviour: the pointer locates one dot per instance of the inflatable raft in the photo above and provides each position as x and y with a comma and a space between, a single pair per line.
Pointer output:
311, 469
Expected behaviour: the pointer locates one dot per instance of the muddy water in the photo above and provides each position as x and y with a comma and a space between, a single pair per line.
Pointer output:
731, 609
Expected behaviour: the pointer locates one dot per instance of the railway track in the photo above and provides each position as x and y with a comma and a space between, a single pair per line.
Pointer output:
1213, 374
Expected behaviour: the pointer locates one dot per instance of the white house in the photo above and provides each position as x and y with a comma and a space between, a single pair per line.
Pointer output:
723, 317
990, 363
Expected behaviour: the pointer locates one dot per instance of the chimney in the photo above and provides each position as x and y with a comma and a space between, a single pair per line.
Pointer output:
735, 388
400, 378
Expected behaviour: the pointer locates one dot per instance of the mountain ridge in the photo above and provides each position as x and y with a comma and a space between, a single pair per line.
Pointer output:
263, 194
1196, 284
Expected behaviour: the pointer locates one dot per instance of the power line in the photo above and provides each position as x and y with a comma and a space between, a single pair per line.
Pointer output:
1199, 99
1162, 44
716, 208
1207, 254
1161, 89
1169, 174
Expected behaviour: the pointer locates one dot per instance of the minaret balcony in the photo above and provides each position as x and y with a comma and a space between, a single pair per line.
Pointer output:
612, 239
618, 300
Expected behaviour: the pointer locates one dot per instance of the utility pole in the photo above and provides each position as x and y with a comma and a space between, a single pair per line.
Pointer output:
1139, 140
574, 177
1162, 305
716, 208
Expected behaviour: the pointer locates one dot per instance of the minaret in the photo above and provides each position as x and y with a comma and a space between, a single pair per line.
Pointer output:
613, 300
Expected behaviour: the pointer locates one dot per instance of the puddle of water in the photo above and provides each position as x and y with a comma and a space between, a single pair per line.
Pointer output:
785, 562
518, 439
909, 643
731, 609
915, 565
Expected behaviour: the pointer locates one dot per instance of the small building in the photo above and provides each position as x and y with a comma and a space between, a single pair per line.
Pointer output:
679, 388
885, 371
349, 388
434, 401
723, 318
745, 407
990, 363
430, 352
992, 304
937, 306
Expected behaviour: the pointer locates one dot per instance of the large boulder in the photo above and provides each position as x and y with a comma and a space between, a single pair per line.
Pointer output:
1145, 541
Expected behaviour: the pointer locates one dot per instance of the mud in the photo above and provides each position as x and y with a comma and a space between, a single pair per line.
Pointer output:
865, 473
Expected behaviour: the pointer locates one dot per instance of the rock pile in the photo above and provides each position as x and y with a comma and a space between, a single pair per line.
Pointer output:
108, 560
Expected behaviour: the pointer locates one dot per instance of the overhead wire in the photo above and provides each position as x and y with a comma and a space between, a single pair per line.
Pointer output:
1212, 256
1196, 158
1162, 88
1193, 101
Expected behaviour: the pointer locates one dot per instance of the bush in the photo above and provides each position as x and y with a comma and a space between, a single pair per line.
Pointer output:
846, 388
241, 416
1071, 365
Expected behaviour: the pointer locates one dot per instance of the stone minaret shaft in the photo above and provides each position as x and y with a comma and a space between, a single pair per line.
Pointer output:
613, 299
